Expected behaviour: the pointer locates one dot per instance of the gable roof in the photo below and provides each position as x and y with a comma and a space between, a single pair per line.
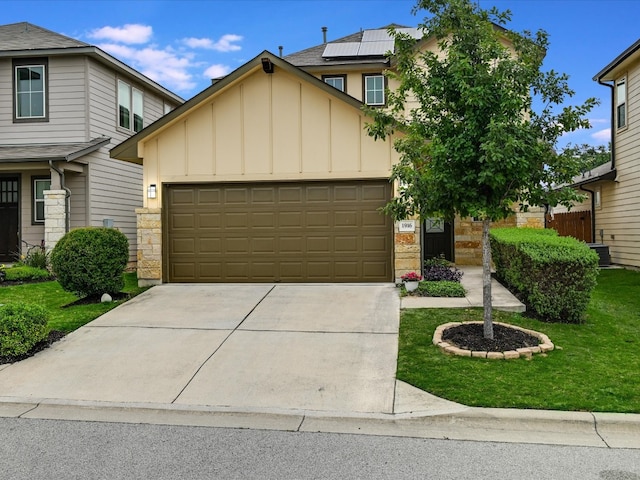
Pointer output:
27, 40
128, 149
363, 47
630, 52
26, 36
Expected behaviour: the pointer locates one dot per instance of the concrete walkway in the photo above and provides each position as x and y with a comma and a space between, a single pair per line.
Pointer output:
318, 357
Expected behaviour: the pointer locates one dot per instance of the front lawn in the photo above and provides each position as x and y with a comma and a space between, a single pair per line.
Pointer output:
63, 316
594, 367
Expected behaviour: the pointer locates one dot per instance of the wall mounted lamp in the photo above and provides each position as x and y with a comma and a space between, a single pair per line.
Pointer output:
151, 191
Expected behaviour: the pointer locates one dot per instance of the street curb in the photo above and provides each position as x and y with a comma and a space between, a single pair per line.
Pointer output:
605, 430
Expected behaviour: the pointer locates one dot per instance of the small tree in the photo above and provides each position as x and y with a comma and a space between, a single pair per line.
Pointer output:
473, 145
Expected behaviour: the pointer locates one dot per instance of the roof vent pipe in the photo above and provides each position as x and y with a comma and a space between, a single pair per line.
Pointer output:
280, 49
324, 34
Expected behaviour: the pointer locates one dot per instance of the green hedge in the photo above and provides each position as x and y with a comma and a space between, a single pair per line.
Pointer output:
553, 275
22, 325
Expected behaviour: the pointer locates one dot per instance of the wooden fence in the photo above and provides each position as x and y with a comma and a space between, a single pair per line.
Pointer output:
572, 224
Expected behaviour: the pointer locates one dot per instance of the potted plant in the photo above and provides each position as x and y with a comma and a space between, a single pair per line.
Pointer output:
411, 281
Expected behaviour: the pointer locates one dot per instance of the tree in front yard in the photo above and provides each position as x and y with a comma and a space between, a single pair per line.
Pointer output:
476, 144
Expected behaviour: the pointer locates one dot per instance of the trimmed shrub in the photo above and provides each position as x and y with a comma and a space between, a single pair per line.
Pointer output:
441, 289
553, 275
22, 326
438, 269
91, 261
24, 273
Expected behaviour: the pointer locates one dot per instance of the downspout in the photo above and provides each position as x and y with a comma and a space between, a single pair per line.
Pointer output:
66, 196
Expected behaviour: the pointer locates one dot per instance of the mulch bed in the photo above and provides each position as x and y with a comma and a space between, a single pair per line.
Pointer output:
54, 336
470, 336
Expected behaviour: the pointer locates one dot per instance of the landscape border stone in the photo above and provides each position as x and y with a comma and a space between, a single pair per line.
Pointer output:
545, 344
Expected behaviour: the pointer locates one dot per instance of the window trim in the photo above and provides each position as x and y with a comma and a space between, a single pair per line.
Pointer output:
30, 62
364, 89
131, 106
340, 76
34, 200
622, 81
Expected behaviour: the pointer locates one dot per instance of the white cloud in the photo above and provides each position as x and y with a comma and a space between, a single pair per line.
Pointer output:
164, 66
217, 71
602, 135
130, 33
226, 43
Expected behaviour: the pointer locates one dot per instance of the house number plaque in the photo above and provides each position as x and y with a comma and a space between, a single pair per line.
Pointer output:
407, 226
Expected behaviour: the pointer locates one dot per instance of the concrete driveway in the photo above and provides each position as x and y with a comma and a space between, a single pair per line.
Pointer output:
309, 347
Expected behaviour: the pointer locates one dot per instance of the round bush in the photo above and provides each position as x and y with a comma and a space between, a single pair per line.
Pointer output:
22, 325
91, 261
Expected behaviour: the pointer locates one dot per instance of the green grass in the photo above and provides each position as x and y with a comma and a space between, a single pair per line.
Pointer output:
53, 298
595, 366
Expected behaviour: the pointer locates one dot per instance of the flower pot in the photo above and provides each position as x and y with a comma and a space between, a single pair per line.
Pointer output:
411, 286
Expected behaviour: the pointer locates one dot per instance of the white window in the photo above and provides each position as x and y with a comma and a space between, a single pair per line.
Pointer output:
130, 101
621, 103
335, 82
39, 186
30, 89
374, 89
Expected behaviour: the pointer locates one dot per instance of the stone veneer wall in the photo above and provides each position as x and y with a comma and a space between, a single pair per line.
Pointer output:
55, 217
149, 246
407, 251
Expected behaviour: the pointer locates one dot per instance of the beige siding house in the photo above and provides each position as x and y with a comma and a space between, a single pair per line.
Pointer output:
63, 103
613, 189
269, 175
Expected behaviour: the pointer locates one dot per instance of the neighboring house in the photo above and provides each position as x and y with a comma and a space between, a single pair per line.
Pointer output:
613, 189
269, 175
63, 103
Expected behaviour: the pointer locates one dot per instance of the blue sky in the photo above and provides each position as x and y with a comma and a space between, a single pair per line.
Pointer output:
183, 44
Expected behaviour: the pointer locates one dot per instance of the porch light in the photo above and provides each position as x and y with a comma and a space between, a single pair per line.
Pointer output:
151, 191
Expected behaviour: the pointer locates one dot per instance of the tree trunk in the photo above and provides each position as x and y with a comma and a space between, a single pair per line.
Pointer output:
486, 280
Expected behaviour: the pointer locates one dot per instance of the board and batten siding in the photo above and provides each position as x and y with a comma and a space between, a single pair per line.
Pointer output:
266, 128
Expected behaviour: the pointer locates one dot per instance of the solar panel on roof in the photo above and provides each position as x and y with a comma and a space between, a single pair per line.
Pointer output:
344, 49
375, 48
375, 36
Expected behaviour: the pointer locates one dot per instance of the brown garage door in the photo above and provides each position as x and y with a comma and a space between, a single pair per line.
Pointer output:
282, 232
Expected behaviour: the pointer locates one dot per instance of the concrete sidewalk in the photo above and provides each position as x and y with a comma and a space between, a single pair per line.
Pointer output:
318, 357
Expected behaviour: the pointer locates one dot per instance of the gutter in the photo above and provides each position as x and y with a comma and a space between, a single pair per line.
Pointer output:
66, 197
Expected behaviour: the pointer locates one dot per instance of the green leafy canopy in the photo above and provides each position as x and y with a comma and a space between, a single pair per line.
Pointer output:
471, 142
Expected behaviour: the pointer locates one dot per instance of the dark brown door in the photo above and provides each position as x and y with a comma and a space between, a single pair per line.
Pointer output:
438, 239
278, 232
9, 218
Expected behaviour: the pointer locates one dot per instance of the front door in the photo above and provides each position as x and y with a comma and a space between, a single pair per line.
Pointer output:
9, 218
437, 239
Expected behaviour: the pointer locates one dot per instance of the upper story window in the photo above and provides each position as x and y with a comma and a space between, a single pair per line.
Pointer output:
336, 81
374, 89
130, 107
621, 102
30, 90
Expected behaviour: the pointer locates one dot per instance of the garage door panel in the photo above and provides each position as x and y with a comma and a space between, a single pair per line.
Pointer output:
308, 232
209, 196
186, 221
209, 220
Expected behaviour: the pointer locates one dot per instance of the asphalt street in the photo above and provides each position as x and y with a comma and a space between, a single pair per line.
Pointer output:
52, 449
